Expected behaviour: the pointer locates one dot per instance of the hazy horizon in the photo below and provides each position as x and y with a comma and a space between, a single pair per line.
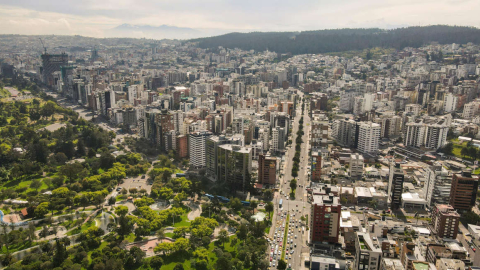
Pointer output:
97, 19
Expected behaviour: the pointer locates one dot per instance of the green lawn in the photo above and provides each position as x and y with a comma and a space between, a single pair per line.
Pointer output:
184, 221
82, 228
17, 247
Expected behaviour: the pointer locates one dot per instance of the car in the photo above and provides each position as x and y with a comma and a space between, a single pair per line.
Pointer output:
271, 259
286, 252
289, 265
295, 236
295, 245
292, 251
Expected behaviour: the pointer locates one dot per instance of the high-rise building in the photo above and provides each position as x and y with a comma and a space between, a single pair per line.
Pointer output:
267, 170
344, 131
367, 253
395, 185
278, 139
356, 166
197, 148
368, 137
464, 189
445, 221
471, 109
234, 165
450, 103
52, 63
316, 166
319, 132
325, 218
432, 136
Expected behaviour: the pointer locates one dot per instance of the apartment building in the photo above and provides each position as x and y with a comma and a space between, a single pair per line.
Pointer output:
356, 166
368, 137
445, 221
464, 189
325, 218
367, 252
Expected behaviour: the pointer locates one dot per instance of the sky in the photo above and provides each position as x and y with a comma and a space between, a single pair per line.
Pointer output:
96, 18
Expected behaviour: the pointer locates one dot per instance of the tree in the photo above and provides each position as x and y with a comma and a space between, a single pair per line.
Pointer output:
293, 184
236, 204
41, 210
269, 208
156, 262
112, 200
71, 171
137, 254
253, 205
282, 265
161, 233
35, 184
268, 193
81, 148
223, 237
181, 231
48, 109
178, 266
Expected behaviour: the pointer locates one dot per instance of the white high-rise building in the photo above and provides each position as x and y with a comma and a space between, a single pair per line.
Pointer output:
471, 109
278, 142
197, 142
356, 166
450, 103
415, 133
433, 136
368, 137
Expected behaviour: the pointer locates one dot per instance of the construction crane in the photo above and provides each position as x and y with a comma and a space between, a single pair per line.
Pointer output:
43, 45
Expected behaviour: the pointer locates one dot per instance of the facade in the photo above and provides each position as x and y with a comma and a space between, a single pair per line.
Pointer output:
445, 221
464, 191
316, 166
367, 254
420, 134
356, 166
344, 131
368, 137
52, 63
395, 188
450, 103
325, 218
267, 170
278, 139
234, 165
197, 148
319, 134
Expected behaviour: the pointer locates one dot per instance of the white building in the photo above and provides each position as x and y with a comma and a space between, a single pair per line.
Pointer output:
471, 109
368, 137
356, 166
450, 103
197, 142
367, 252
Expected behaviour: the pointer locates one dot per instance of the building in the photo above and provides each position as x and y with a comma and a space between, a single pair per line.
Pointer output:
316, 166
344, 131
356, 166
319, 262
50, 64
391, 264
449, 264
234, 165
319, 134
420, 134
450, 103
464, 191
395, 185
197, 148
367, 253
368, 137
278, 139
445, 221
267, 170
325, 218
182, 146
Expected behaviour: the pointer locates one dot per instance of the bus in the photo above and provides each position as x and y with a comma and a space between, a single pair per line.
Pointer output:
281, 203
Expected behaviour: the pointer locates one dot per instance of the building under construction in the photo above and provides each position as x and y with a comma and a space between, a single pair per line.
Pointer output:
52, 63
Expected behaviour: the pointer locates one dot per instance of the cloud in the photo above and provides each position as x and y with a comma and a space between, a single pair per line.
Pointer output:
95, 18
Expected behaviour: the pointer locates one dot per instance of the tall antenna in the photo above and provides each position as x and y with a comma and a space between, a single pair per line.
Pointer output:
43, 45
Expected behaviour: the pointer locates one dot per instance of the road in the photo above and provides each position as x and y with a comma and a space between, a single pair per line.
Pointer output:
297, 239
